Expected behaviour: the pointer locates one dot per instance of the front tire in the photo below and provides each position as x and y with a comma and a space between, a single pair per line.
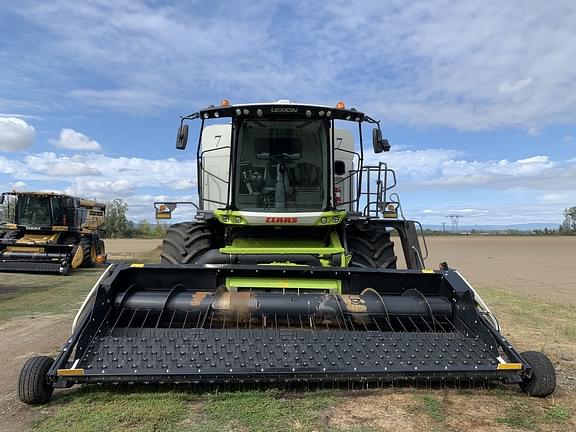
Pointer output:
33, 388
89, 249
370, 247
185, 243
543, 380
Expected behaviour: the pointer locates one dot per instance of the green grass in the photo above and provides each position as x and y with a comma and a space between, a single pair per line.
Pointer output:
140, 409
262, 411
526, 413
519, 415
103, 410
433, 408
533, 313
557, 413
39, 294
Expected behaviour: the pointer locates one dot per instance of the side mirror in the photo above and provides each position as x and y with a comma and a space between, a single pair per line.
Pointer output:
164, 210
380, 144
182, 137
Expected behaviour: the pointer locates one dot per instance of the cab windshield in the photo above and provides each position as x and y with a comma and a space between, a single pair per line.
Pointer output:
30, 210
281, 165
33, 210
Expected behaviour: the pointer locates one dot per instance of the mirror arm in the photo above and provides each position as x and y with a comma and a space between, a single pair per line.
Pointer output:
192, 116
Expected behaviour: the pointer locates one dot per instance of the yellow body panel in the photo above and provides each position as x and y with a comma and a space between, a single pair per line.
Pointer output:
69, 372
509, 366
78, 258
25, 249
38, 238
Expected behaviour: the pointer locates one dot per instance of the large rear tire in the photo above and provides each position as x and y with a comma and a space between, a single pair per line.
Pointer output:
185, 243
370, 247
32, 385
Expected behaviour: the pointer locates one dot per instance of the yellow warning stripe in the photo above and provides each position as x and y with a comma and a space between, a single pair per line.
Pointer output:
509, 366
137, 265
69, 372
427, 271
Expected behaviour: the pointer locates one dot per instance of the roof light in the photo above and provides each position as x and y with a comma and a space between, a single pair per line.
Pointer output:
216, 114
206, 115
340, 105
308, 113
259, 112
238, 111
225, 103
328, 113
246, 111
321, 113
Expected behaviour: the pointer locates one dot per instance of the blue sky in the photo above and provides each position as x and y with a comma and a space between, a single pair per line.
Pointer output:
477, 98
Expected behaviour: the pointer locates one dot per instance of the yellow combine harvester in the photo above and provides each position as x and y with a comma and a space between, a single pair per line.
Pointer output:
49, 232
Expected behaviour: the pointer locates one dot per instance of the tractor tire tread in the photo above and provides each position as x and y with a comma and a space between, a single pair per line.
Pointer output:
543, 380
86, 245
371, 248
185, 242
32, 385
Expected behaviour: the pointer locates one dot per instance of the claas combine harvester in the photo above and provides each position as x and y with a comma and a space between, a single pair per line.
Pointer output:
288, 274
49, 232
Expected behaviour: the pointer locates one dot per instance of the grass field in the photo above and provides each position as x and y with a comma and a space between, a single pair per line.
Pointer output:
36, 312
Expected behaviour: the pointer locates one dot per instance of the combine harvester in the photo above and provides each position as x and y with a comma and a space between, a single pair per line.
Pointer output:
49, 232
288, 274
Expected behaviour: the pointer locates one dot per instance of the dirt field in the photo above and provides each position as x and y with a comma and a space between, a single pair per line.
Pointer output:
541, 266
529, 283
121, 247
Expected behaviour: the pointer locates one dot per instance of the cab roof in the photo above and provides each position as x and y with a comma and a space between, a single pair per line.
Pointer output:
280, 109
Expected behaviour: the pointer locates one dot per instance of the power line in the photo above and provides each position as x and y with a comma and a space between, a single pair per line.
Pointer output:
454, 222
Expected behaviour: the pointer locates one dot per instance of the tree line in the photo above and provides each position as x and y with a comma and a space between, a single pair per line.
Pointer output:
117, 225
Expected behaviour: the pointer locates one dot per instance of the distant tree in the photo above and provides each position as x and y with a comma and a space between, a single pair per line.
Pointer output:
144, 229
569, 224
159, 230
116, 223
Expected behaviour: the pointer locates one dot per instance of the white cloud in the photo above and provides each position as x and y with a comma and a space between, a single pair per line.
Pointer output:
72, 140
15, 134
498, 64
18, 186
103, 174
134, 100
104, 178
513, 87
533, 131
23, 116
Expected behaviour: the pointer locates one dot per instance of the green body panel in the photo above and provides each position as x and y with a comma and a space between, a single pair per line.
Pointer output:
235, 217
330, 285
282, 246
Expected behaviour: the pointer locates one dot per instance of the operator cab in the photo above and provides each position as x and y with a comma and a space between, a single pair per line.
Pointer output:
281, 165
33, 209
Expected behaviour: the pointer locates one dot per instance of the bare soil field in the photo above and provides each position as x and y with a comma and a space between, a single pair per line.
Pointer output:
541, 266
527, 281
118, 249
